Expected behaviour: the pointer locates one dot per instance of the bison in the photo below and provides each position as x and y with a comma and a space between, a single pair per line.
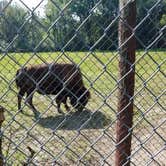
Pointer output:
63, 80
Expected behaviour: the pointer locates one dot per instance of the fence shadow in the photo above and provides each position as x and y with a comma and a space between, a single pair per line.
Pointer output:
75, 121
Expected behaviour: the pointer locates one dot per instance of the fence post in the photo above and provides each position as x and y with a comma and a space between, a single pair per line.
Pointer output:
127, 48
2, 118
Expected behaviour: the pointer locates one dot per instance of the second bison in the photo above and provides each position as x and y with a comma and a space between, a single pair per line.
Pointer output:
63, 80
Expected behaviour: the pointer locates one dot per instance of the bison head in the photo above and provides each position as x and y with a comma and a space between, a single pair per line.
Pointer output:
80, 99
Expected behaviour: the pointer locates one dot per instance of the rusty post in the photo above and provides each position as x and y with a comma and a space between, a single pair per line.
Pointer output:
2, 118
127, 47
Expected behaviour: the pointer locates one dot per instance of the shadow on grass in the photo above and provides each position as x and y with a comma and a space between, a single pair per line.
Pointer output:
74, 121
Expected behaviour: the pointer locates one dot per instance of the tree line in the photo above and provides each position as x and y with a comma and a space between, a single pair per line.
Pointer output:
80, 26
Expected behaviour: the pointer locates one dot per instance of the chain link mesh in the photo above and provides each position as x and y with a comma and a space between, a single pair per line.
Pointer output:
84, 33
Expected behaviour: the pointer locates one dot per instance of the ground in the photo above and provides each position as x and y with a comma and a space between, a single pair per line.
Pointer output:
86, 138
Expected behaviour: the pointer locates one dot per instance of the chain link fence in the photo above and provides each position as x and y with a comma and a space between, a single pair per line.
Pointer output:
84, 33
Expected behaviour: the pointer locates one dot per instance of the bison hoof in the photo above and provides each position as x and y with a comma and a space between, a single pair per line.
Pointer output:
60, 111
68, 109
21, 111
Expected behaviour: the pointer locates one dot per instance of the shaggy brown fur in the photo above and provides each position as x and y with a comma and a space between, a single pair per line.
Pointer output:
63, 80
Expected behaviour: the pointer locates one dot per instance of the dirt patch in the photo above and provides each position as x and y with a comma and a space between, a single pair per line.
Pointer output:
80, 139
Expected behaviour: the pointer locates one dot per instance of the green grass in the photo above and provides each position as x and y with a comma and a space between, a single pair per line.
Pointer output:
100, 72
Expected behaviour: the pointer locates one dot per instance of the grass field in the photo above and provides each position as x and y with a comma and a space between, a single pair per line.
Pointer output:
49, 134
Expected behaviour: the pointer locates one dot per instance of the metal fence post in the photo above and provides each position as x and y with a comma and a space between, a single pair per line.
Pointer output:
126, 82
2, 118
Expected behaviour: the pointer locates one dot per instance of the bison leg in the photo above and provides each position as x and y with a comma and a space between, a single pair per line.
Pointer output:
58, 102
67, 107
20, 96
29, 100
65, 103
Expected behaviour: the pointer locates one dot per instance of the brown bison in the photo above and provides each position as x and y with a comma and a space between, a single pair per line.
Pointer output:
63, 80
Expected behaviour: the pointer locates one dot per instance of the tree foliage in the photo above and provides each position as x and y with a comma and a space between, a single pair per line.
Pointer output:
80, 26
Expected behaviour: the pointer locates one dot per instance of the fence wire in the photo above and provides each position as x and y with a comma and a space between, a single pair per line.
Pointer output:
37, 35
